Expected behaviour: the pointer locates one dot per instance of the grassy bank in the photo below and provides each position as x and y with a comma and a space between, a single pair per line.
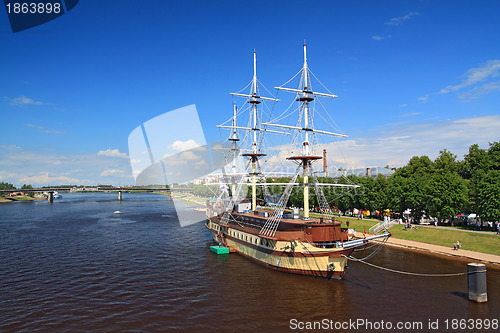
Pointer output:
191, 199
18, 198
469, 240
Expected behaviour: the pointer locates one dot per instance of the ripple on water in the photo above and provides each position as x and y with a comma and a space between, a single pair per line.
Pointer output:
75, 266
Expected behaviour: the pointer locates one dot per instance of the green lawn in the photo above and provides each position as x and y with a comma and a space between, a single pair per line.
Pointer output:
469, 240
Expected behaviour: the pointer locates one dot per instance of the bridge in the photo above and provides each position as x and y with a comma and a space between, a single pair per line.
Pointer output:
50, 190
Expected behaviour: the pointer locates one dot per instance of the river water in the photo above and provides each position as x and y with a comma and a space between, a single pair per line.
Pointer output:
73, 265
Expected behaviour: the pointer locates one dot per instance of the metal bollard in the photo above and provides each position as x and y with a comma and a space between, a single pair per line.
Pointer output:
476, 282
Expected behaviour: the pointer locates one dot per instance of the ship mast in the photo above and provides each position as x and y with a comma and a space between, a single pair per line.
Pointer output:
305, 95
254, 99
233, 137
254, 155
305, 98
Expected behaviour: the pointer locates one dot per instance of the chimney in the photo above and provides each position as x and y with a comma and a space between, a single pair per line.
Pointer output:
324, 162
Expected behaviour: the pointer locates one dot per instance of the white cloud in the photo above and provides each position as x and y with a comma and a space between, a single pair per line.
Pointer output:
42, 129
21, 167
423, 99
10, 147
45, 179
477, 92
7, 175
410, 114
376, 37
113, 172
23, 100
189, 156
184, 145
404, 105
490, 69
396, 146
401, 19
112, 153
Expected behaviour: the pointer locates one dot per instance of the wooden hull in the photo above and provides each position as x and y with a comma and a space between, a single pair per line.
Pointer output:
300, 258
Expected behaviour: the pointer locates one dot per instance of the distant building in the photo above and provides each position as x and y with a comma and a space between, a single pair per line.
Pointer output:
362, 172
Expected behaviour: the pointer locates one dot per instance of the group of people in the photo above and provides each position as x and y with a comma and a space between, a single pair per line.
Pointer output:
457, 245
407, 225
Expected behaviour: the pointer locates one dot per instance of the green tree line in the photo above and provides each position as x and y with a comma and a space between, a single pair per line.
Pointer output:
441, 188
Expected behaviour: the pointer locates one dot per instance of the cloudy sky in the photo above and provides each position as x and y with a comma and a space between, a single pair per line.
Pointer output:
413, 77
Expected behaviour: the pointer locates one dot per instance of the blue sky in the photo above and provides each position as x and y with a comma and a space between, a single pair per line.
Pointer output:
413, 77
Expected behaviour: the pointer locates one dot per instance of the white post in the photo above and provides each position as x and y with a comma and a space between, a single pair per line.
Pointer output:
255, 72
305, 67
254, 186
235, 112
306, 105
306, 190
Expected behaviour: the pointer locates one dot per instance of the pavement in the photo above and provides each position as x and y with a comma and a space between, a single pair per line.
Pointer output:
459, 230
461, 253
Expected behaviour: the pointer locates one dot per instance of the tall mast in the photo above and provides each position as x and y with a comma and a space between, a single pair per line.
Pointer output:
234, 138
254, 143
254, 99
254, 105
305, 95
305, 161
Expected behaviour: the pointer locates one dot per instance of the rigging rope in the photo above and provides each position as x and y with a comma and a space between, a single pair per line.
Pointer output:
402, 272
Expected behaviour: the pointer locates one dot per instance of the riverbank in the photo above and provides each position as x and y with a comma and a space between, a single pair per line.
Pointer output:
441, 250
480, 246
191, 199
19, 198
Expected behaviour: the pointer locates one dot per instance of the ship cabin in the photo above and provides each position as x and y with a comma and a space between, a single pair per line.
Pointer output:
320, 232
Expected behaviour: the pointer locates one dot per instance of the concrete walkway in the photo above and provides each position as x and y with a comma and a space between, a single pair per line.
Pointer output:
465, 254
456, 229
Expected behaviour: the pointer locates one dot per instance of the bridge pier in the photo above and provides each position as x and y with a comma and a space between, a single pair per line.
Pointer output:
50, 197
119, 195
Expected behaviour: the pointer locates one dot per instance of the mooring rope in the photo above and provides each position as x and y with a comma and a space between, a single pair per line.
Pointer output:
374, 252
402, 272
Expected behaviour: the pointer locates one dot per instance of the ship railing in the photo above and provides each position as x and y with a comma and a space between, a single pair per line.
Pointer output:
381, 226
362, 241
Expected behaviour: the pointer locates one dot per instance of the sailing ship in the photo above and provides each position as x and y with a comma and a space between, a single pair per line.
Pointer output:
276, 236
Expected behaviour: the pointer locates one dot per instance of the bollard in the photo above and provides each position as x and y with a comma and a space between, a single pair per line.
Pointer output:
476, 282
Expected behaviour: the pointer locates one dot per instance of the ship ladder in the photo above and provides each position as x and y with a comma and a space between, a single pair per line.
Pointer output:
222, 239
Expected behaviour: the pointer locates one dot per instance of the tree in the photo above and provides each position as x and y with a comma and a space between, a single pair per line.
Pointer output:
26, 187
408, 185
446, 162
488, 196
446, 195
7, 186
480, 168
380, 193
446, 190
